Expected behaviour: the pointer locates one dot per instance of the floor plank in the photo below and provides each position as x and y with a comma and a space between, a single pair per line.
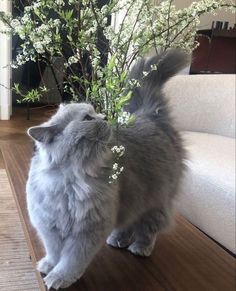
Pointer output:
2, 164
16, 270
184, 259
14, 130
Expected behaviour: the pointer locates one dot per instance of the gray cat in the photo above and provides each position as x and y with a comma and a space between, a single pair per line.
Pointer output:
70, 200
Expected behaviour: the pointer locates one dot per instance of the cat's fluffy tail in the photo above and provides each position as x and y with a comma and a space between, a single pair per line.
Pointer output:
148, 97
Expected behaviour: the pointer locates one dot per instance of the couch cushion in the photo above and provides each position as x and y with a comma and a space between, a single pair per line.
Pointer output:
203, 103
208, 194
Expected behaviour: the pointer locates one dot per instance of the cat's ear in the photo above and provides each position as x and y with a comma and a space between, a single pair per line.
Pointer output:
44, 134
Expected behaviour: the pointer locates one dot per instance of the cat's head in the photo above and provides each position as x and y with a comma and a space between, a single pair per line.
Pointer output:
75, 127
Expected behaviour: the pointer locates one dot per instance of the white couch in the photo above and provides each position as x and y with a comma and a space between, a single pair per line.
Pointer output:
204, 110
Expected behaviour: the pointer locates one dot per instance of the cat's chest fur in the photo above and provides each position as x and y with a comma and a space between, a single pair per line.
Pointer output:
54, 198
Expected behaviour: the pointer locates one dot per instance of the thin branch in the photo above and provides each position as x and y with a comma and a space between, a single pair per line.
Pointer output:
5, 87
131, 36
168, 25
159, 34
56, 80
123, 22
179, 33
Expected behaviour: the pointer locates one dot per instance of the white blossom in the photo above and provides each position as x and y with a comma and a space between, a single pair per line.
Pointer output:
39, 47
72, 60
145, 73
15, 23
60, 2
117, 170
115, 166
124, 118
119, 150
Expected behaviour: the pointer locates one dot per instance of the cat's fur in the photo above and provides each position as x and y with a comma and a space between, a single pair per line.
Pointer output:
71, 203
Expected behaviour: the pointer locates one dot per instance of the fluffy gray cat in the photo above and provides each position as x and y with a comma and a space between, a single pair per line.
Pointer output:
71, 203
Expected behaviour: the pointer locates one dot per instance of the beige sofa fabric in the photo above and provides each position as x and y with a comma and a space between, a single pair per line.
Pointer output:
204, 103
204, 110
208, 194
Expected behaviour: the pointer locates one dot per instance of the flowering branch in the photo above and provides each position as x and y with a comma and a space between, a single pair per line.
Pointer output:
69, 29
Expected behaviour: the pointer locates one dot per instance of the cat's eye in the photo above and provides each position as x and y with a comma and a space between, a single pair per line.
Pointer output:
88, 117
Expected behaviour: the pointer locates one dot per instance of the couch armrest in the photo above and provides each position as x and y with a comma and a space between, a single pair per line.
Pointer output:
203, 103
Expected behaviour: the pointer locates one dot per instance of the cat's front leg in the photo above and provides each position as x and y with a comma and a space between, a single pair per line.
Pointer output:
53, 245
77, 253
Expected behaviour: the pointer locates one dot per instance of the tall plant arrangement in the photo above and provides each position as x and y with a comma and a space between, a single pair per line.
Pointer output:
96, 68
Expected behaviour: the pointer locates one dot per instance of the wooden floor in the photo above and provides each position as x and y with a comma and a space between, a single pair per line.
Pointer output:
184, 259
16, 268
14, 131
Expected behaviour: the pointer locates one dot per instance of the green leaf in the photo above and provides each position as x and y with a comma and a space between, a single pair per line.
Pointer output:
16, 88
111, 63
69, 38
123, 100
132, 120
123, 76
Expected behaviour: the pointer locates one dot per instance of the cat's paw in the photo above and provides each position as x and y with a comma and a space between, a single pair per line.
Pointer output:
139, 249
44, 266
56, 281
120, 239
